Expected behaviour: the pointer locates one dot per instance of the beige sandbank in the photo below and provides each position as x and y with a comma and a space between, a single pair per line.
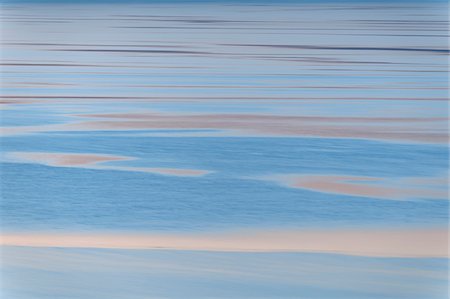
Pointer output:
397, 129
66, 159
427, 130
424, 243
95, 161
373, 187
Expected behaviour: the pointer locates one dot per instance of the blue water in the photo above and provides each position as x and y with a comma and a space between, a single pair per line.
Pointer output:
45, 197
250, 91
88, 274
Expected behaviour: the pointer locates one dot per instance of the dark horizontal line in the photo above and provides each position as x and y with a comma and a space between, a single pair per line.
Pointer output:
25, 21
92, 45
277, 28
215, 98
385, 34
308, 47
286, 87
50, 64
132, 51
403, 22
98, 66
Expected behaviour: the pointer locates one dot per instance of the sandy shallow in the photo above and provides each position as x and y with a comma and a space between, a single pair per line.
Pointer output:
399, 129
95, 161
373, 187
66, 159
376, 243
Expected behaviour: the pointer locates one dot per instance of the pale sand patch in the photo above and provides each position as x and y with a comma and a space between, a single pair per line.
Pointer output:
167, 171
378, 243
20, 130
66, 159
428, 130
400, 129
92, 161
373, 187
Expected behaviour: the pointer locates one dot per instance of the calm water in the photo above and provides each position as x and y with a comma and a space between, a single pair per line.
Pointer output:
203, 118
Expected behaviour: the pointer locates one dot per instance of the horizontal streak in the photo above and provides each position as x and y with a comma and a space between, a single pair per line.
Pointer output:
203, 98
52, 64
92, 45
133, 51
140, 66
309, 47
423, 243
92, 161
287, 87
263, 117
403, 188
66, 159
396, 129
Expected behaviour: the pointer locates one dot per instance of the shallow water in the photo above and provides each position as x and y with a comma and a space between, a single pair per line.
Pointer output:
174, 119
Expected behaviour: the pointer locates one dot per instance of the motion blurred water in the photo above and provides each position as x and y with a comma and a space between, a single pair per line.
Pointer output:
212, 103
